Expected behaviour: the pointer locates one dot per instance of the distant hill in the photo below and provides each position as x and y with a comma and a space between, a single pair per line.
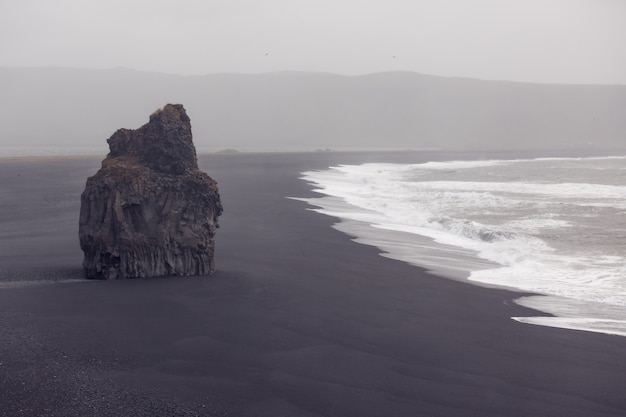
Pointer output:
291, 110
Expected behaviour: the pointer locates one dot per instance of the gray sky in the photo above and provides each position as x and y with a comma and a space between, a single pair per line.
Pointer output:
564, 41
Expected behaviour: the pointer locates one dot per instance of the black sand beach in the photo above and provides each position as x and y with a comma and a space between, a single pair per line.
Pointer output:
298, 320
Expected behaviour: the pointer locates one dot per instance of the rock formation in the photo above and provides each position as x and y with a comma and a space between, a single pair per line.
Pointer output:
149, 210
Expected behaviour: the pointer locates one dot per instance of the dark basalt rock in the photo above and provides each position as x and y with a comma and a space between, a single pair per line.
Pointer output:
149, 211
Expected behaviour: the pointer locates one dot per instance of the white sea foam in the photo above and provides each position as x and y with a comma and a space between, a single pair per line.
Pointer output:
554, 226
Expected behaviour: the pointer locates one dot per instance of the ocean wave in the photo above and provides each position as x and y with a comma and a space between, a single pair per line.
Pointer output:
552, 229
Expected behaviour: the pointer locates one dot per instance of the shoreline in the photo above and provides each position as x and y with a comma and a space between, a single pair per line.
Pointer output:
399, 241
298, 320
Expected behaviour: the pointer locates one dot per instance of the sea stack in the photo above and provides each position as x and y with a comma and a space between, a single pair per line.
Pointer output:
149, 211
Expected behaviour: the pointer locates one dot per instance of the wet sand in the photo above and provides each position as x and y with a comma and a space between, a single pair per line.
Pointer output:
298, 320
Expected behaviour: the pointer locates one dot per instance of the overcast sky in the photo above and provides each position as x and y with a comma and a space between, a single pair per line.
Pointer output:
564, 41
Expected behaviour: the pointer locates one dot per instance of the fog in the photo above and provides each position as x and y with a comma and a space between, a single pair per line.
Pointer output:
294, 74
556, 41
306, 111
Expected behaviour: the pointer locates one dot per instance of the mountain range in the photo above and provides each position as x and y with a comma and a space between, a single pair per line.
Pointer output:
302, 110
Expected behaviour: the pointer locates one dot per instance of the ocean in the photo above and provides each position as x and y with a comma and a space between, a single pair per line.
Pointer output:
555, 227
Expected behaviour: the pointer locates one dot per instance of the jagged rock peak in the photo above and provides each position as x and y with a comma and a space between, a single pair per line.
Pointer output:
149, 211
163, 144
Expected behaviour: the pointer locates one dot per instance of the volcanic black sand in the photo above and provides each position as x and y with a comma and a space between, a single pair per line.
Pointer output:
298, 320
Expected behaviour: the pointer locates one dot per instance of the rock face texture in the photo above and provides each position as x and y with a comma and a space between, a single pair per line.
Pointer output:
149, 211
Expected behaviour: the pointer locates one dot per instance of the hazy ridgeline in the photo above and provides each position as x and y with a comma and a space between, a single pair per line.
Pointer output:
70, 107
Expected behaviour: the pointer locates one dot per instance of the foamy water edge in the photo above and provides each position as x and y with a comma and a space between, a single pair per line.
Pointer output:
569, 314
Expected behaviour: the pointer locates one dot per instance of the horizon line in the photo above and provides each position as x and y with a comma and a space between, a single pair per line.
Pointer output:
328, 73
